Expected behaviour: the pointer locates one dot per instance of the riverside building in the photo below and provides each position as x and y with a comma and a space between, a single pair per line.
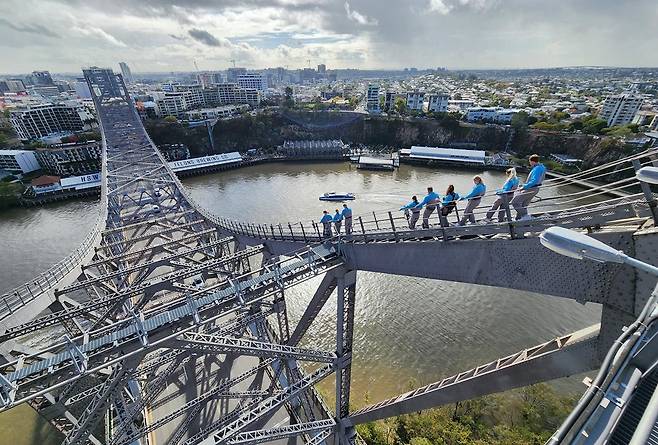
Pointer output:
620, 109
37, 121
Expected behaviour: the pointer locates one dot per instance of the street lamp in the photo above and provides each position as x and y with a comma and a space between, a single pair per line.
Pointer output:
577, 245
648, 174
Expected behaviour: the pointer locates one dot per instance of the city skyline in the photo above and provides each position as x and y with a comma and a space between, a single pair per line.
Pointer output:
164, 36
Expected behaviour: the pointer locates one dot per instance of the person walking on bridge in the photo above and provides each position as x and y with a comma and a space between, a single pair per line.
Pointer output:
414, 208
474, 198
431, 202
503, 196
338, 221
529, 190
347, 216
448, 204
326, 224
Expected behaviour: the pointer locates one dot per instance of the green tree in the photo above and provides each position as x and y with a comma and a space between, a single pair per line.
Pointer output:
559, 115
520, 120
288, 101
400, 105
170, 119
594, 125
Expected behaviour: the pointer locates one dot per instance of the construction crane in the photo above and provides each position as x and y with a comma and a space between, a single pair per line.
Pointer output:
233, 61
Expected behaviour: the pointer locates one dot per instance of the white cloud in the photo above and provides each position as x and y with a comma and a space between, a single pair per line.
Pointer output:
342, 34
439, 6
91, 31
359, 18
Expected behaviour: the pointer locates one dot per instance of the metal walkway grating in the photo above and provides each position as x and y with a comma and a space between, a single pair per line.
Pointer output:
633, 413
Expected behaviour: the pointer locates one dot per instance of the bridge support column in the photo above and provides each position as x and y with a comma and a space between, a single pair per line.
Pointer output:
346, 287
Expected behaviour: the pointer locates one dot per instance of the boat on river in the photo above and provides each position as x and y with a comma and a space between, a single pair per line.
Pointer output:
333, 196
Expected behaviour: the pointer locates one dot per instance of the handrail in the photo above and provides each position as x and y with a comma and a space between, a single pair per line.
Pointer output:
626, 185
388, 226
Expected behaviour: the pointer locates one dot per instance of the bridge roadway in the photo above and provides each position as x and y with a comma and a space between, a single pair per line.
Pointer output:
174, 327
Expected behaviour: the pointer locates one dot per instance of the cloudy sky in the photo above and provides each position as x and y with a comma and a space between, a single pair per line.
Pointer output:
169, 35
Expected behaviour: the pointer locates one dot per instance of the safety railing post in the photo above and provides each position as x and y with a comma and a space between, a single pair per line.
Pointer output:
363, 230
291, 233
303, 231
376, 222
395, 234
317, 229
272, 229
508, 214
280, 231
646, 191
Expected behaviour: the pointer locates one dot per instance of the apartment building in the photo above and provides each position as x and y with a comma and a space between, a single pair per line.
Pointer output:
37, 121
70, 159
620, 109
437, 103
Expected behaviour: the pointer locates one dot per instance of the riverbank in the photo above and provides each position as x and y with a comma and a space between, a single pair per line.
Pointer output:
48, 198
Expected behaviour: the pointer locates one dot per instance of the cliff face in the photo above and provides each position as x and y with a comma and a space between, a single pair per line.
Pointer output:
593, 150
270, 129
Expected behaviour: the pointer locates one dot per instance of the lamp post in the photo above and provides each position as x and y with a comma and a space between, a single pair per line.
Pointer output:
577, 245
648, 175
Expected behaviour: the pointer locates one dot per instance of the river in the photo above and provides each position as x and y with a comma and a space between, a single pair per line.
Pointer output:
408, 331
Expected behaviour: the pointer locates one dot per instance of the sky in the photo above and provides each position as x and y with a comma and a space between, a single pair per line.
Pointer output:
170, 35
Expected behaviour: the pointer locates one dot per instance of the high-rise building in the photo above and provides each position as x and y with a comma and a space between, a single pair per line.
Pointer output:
14, 85
254, 81
81, 88
230, 93
415, 101
209, 78
126, 73
103, 82
233, 73
175, 103
42, 78
322, 68
38, 121
438, 102
372, 98
620, 109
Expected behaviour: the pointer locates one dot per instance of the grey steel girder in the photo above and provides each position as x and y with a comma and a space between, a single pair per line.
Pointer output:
320, 297
269, 404
561, 357
125, 341
208, 343
284, 432
222, 388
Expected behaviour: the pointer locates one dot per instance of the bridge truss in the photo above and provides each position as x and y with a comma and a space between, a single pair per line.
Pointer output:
169, 325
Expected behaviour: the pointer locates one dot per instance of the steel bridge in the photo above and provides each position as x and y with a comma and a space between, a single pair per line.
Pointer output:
169, 325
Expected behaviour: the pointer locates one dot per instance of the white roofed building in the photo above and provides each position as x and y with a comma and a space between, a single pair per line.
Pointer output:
450, 155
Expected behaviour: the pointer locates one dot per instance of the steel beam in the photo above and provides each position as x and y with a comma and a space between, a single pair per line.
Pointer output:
208, 343
320, 297
562, 357
284, 432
